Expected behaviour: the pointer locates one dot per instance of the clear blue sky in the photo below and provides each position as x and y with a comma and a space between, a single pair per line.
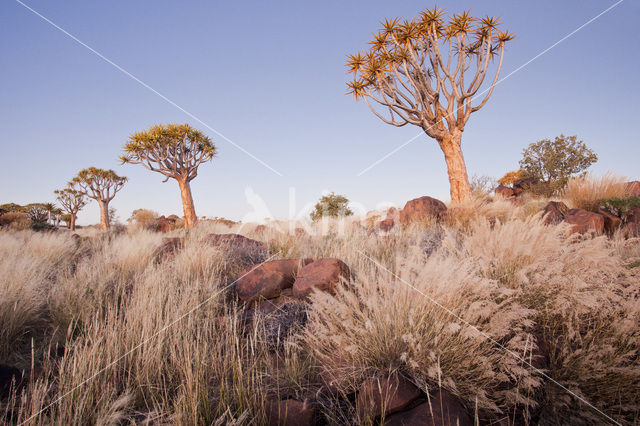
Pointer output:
270, 76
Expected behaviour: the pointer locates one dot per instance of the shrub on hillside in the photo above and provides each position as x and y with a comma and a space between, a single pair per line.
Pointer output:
620, 206
142, 217
15, 220
331, 205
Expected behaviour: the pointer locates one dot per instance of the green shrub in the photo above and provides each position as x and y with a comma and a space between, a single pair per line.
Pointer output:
620, 206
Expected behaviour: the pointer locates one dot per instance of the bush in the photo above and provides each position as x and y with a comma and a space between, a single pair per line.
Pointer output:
588, 191
15, 220
553, 162
332, 205
143, 217
620, 206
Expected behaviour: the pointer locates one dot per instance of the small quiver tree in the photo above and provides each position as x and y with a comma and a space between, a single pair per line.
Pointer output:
102, 186
176, 151
427, 72
72, 201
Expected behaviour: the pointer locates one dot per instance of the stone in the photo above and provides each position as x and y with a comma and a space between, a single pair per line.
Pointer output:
554, 212
422, 209
504, 191
632, 215
632, 188
268, 280
442, 409
162, 224
631, 230
611, 222
10, 379
393, 213
523, 184
291, 413
239, 247
583, 221
323, 274
379, 396
168, 248
386, 225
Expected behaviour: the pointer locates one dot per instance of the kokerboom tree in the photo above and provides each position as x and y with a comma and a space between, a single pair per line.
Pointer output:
176, 151
72, 201
429, 72
102, 186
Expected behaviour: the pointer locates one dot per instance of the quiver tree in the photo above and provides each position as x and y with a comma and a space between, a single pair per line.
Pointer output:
72, 201
428, 72
102, 186
175, 151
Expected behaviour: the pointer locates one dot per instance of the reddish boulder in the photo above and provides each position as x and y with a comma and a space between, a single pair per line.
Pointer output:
422, 209
523, 184
323, 274
168, 248
442, 409
162, 224
393, 213
555, 212
583, 221
631, 230
269, 279
611, 222
504, 191
385, 395
291, 413
632, 215
632, 188
385, 225
234, 240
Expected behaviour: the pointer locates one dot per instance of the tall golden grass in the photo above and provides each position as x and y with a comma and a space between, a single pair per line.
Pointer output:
136, 350
585, 192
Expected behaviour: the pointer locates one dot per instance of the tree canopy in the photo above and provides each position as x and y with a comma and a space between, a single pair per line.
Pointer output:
71, 200
553, 162
175, 150
333, 205
98, 184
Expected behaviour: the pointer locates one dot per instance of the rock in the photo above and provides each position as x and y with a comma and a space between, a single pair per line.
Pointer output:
386, 225
442, 409
267, 280
631, 230
291, 413
504, 191
390, 394
632, 215
323, 274
523, 184
632, 188
162, 224
611, 222
168, 248
393, 213
239, 247
422, 209
583, 221
554, 212
10, 378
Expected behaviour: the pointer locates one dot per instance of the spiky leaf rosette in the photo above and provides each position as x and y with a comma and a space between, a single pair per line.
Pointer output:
99, 184
175, 150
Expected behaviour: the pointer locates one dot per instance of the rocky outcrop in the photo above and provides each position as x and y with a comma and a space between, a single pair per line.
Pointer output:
504, 191
442, 409
632, 188
423, 209
555, 212
386, 225
268, 280
323, 274
583, 221
168, 248
239, 247
385, 395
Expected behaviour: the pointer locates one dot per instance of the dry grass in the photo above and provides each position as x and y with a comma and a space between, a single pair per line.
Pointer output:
131, 355
587, 191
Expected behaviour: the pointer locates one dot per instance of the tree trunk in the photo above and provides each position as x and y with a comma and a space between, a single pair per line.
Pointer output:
104, 215
190, 217
456, 168
72, 222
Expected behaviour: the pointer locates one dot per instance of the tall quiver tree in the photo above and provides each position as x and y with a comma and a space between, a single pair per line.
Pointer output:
72, 201
176, 151
102, 186
427, 72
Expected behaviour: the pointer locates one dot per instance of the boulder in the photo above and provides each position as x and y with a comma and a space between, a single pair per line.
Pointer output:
168, 248
632, 215
632, 188
441, 409
631, 230
583, 221
323, 274
239, 247
422, 209
504, 191
393, 213
10, 379
386, 225
385, 395
611, 222
555, 212
523, 184
162, 224
267, 280
291, 413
